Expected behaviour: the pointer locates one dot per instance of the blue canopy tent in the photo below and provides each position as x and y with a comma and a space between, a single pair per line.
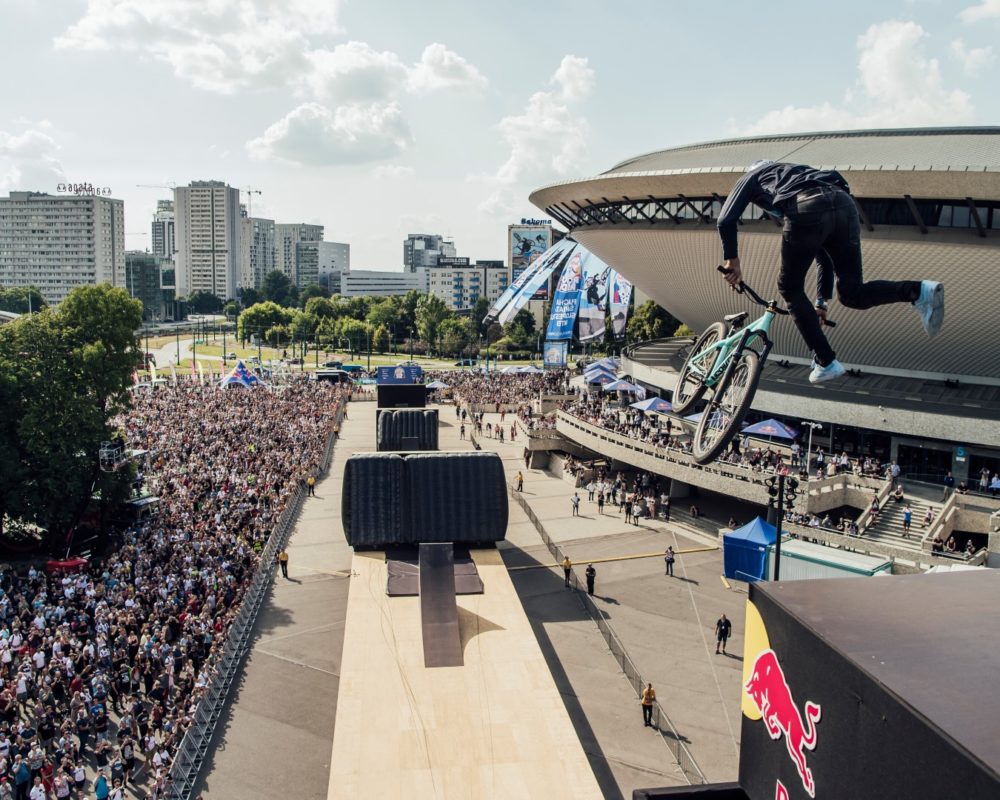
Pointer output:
240, 376
744, 551
771, 428
592, 370
438, 385
621, 386
655, 404
599, 377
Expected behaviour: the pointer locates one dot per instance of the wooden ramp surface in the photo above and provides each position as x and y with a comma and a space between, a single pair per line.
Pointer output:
493, 728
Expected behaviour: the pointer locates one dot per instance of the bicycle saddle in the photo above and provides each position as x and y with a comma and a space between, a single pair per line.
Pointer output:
736, 319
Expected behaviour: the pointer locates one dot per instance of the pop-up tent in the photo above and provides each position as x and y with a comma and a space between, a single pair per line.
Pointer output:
241, 376
744, 551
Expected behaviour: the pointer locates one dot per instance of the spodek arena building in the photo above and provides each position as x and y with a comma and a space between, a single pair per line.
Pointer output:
929, 202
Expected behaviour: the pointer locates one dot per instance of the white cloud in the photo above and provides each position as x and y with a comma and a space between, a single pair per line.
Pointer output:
354, 71
441, 68
973, 59
898, 86
28, 162
391, 172
548, 137
499, 204
312, 134
987, 9
216, 45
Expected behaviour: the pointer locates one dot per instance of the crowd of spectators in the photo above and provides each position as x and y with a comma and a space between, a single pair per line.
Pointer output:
500, 388
101, 671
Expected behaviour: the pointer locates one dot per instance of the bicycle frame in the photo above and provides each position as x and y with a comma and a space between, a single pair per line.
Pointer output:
732, 346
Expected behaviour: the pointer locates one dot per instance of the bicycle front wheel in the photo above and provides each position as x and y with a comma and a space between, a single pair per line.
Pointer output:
720, 421
690, 386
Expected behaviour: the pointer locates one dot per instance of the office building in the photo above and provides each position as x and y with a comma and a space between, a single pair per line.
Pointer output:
57, 243
373, 283
322, 263
424, 250
144, 282
460, 286
207, 232
256, 251
286, 236
163, 229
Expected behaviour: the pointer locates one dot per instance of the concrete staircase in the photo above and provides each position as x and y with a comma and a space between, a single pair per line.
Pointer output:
889, 528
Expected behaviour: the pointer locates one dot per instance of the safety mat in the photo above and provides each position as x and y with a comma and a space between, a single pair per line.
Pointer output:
404, 572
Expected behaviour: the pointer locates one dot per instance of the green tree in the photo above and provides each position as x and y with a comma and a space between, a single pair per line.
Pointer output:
278, 288
650, 321
260, 317
65, 374
380, 339
525, 319
384, 312
356, 333
356, 307
250, 296
455, 334
277, 335
231, 309
303, 326
21, 299
431, 312
479, 312
323, 308
684, 330
204, 303
311, 291
408, 312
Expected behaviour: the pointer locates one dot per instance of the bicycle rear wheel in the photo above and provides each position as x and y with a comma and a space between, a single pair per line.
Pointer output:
690, 386
720, 421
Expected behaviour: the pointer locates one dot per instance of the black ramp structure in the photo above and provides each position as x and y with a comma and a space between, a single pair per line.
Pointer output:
406, 429
438, 609
373, 499
403, 566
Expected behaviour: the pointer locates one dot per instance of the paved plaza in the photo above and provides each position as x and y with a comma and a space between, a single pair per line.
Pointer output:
278, 729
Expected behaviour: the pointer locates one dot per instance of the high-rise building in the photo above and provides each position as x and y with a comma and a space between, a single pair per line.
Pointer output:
322, 263
460, 286
163, 229
57, 243
286, 236
256, 251
424, 249
207, 217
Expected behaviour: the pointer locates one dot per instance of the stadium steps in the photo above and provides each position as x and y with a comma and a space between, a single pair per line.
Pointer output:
889, 528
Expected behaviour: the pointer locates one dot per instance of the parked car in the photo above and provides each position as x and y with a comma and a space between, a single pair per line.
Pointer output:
333, 376
231, 356
295, 361
354, 369
408, 364
333, 364
466, 362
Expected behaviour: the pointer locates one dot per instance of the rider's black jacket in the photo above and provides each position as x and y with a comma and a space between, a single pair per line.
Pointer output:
768, 187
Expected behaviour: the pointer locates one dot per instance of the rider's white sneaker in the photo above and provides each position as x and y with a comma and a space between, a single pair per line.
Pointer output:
830, 372
930, 306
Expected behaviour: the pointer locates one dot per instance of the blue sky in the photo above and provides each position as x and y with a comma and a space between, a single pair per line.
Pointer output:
380, 118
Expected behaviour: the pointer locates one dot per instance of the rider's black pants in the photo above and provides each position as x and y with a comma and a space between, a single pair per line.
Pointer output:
827, 219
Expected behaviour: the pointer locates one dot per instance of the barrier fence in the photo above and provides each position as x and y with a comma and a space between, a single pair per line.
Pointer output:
661, 722
194, 746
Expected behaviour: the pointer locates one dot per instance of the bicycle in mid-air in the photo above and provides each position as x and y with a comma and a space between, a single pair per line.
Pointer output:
727, 359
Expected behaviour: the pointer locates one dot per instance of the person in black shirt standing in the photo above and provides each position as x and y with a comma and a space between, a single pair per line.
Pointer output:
723, 627
820, 223
591, 575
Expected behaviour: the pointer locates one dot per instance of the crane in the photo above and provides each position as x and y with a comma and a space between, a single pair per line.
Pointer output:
250, 192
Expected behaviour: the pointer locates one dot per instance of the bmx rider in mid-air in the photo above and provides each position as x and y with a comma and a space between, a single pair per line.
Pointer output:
820, 223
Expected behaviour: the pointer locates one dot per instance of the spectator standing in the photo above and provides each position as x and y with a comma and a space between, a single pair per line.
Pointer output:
575, 501
311, 483
600, 500
591, 576
949, 486
648, 698
669, 557
520, 481
283, 561
567, 566
591, 488
907, 519
723, 629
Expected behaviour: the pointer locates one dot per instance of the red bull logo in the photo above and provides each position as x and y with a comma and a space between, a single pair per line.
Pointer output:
768, 689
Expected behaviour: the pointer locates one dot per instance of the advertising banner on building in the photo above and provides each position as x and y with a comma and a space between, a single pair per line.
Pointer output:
555, 354
549, 262
567, 298
525, 244
594, 297
518, 280
621, 296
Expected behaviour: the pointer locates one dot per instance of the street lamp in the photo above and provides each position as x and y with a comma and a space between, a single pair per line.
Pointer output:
813, 426
783, 494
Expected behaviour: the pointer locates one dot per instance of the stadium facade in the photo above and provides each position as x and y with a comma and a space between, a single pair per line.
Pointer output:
929, 201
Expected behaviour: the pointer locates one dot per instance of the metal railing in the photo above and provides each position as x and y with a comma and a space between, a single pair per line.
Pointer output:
661, 722
197, 739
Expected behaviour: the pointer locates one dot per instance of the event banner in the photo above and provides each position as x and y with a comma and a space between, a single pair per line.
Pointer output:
621, 296
555, 354
518, 281
594, 298
550, 262
525, 245
564, 305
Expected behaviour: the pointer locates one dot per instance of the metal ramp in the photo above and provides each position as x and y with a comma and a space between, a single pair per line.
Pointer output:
438, 609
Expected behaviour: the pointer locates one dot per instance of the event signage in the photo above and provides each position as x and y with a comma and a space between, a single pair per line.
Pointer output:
564, 305
549, 262
594, 298
399, 375
555, 354
526, 244
518, 281
621, 296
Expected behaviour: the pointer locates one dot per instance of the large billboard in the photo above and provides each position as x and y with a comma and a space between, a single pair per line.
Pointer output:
525, 243
562, 317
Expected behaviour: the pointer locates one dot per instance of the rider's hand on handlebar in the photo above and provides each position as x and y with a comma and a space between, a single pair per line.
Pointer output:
733, 274
821, 313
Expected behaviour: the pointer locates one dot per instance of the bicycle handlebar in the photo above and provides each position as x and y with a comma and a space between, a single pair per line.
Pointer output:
744, 288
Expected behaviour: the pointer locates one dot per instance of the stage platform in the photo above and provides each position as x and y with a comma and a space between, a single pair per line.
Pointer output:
493, 728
